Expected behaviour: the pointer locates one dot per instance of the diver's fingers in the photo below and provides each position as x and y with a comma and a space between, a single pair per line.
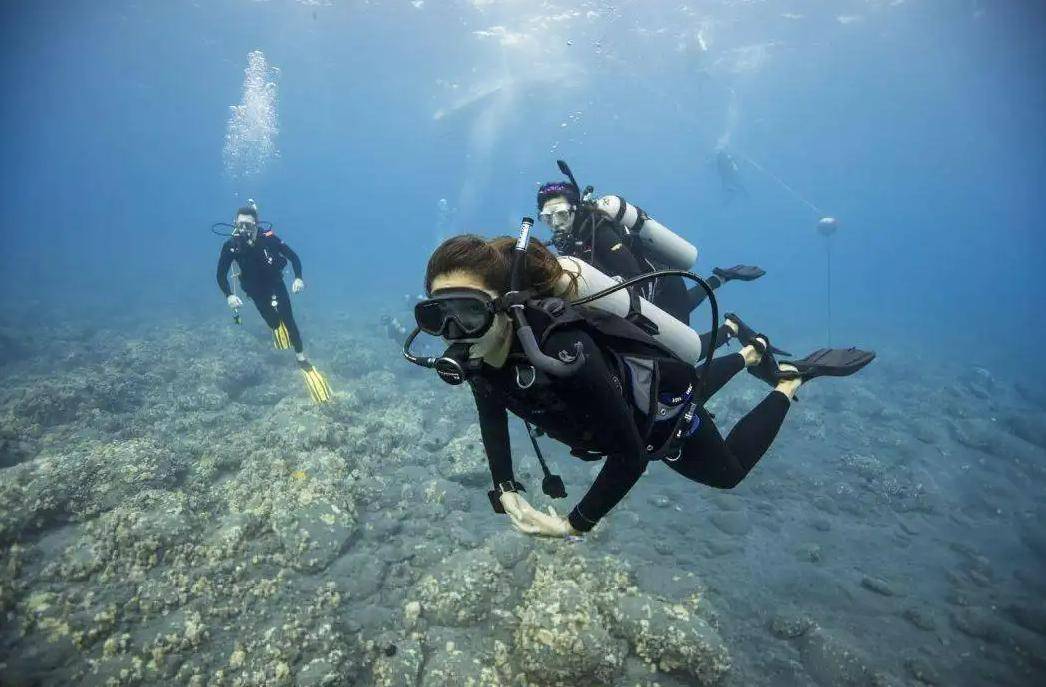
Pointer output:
522, 516
552, 524
536, 522
533, 522
510, 502
521, 502
523, 526
526, 511
515, 514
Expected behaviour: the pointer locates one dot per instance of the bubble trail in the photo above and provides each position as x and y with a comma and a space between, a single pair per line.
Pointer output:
253, 126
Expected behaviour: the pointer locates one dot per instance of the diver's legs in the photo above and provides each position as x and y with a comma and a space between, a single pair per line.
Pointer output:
696, 295
286, 315
709, 459
721, 371
722, 335
263, 302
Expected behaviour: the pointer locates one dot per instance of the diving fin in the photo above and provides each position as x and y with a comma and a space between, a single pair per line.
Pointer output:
315, 382
739, 273
827, 362
746, 334
766, 370
281, 338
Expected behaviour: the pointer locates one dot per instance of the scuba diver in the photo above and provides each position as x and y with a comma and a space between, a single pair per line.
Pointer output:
261, 257
534, 337
391, 325
621, 240
394, 329
729, 176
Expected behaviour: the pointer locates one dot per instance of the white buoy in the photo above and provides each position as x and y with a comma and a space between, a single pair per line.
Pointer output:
826, 227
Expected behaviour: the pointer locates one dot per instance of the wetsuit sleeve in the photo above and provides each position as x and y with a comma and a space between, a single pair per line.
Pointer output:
610, 414
286, 251
224, 263
612, 254
493, 425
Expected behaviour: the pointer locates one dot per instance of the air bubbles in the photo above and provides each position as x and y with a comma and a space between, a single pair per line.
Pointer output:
250, 137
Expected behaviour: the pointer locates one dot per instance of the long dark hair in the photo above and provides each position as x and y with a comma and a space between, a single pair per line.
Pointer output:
491, 261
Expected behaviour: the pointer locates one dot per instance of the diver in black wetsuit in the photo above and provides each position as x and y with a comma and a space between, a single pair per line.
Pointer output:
729, 176
261, 257
578, 384
581, 230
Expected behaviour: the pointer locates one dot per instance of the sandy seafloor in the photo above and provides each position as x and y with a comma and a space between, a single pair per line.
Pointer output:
175, 510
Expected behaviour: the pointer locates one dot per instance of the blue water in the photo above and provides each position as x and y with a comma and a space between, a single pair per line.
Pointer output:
917, 124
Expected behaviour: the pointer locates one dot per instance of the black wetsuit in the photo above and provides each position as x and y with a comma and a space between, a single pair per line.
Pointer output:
607, 246
591, 413
261, 276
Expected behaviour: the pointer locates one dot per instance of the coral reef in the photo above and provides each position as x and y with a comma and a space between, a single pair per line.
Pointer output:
172, 516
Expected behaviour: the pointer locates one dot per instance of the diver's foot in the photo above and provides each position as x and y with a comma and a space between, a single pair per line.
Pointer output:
789, 386
754, 351
746, 334
731, 325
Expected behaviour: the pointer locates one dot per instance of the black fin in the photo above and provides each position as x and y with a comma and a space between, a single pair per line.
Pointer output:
828, 362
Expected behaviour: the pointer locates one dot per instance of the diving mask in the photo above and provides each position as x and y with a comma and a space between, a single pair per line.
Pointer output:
559, 216
245, 227
456, 314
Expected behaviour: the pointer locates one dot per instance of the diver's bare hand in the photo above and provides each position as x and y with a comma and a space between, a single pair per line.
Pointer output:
528, 520
517, 509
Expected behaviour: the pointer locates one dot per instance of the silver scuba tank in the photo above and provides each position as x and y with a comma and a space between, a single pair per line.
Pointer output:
676, 336
660, 244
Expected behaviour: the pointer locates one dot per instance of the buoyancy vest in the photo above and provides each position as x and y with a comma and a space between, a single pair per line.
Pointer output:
655, 383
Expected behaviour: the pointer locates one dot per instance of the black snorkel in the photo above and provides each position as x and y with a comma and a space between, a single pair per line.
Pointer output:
515, 301
584, 195
565, 169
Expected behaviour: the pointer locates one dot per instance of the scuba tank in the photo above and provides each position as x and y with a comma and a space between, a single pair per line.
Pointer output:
659, 243
667, 330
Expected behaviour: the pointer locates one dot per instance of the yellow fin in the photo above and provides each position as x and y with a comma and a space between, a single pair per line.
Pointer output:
317, 385
281, 338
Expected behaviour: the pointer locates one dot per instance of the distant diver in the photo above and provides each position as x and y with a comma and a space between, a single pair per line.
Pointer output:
729, 176
531, 336
392, 324
261, 257
393, 328
621, 240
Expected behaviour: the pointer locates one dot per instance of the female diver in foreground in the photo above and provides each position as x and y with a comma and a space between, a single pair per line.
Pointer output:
591, 380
